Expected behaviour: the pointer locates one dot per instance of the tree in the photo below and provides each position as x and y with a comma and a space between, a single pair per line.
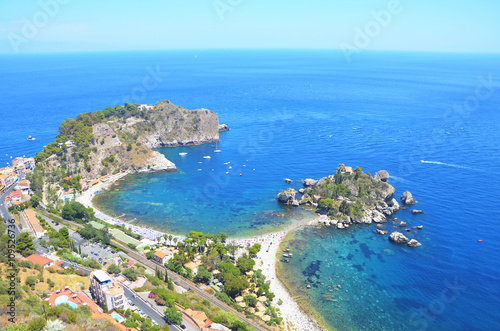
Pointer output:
25, 245
30, 280
203, 275
250, 300
64, 232
130, 274
150, 255
234, 285
113, 269
173, 315
34, 201
75, 211
244, 264
253, 250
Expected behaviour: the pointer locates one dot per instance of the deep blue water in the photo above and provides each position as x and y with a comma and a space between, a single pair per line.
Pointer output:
297, 115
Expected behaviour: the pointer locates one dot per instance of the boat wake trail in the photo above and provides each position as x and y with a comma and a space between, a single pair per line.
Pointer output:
399, 179
446, 164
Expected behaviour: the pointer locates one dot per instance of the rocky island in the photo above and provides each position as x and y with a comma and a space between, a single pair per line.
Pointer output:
352, 197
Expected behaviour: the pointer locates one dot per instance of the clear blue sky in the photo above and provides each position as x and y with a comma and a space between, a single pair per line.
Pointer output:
95, 25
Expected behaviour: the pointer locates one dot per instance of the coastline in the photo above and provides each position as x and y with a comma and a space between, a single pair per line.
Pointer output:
293, 316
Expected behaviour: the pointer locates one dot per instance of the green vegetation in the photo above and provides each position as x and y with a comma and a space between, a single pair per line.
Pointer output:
76, 212
361, 189
25, 245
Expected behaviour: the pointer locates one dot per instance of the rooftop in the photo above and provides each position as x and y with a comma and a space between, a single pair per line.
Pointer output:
38, 259
101, 276
115, 290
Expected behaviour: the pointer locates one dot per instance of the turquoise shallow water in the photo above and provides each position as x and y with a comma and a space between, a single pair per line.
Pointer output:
299, 114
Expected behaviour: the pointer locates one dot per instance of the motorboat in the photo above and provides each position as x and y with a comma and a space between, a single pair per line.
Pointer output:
182, 154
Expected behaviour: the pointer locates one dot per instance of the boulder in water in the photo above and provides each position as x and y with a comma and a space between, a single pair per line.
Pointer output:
416, 211
398, 238
414, 243
309, 182
407, 198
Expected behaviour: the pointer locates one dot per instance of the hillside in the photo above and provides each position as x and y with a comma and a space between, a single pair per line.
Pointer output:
122, 137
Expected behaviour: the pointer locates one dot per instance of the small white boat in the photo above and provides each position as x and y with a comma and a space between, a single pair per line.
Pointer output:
217, 151
199, 169
207, 157
182, 154
422, 161
227, 172
31, 138
230, 167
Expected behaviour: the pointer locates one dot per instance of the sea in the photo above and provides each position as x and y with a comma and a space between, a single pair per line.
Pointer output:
432, 120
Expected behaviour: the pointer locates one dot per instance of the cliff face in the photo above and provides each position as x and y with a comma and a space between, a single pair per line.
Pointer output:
127, 142
176, 126
131, 141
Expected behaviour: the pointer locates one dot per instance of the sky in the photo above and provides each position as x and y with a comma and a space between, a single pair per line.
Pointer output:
111, 25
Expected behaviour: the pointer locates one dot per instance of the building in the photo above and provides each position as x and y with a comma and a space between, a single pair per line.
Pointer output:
144, 107
23, 186
23, 163
66, 296
162, 257
14, 196
34, 225
7, 179
106, 291
199, 318
41, 260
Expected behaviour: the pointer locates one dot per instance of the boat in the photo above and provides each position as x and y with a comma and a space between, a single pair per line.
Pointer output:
207, 157
287, 250
199, 169
230, 168
31, 138
422, 161
227, 172
241, 174
217, 150
285, 260
182, 154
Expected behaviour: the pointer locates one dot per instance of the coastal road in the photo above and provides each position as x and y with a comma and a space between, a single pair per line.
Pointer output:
3, 208
145, 307
181, 281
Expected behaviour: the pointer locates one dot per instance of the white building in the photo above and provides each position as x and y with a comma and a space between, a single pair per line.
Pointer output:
106, 291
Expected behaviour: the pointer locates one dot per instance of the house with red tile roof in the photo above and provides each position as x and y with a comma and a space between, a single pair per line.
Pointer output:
38, 259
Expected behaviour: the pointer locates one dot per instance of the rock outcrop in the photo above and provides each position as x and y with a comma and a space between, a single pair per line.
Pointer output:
407, 198
287, 197
398, 238
309, 182
382, 175
288, 180
223, 127
414, 243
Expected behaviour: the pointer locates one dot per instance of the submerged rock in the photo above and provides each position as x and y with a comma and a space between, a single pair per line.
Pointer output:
407, 198
398, 238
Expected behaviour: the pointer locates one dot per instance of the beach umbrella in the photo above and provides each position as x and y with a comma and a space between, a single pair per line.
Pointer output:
262, 299
239, 299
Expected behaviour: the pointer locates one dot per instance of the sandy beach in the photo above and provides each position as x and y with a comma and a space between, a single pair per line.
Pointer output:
292, 314
266, 259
